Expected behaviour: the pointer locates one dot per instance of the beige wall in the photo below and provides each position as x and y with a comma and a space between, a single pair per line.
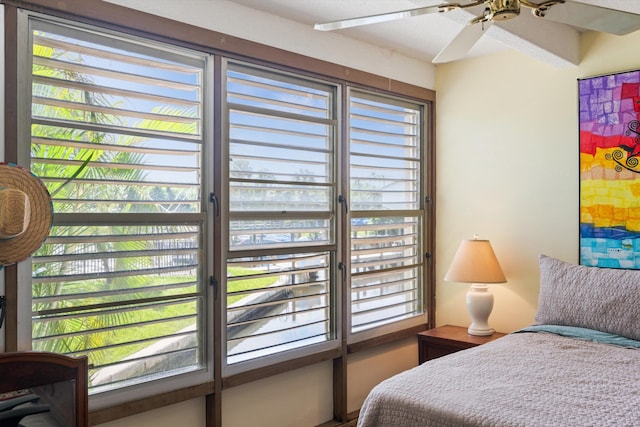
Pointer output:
186, 414
296, 398
507, 167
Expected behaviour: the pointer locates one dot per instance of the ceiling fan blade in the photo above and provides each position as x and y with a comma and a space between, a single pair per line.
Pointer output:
462, 43
594, 17
374, 19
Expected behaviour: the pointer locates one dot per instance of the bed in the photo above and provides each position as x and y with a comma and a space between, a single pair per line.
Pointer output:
578, 365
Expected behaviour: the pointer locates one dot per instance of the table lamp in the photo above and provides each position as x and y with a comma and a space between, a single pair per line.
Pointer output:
476, 263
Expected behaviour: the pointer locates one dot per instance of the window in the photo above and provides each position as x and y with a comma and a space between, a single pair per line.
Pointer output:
387, 215
319, 226
117, 138
283, 207
282, 190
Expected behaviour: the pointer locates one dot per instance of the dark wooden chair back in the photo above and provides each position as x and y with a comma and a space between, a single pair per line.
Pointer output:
61, 382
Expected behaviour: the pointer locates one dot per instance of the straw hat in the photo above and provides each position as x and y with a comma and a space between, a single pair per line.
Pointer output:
26, 214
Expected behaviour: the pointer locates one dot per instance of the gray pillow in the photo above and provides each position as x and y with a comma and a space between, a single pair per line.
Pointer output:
604, 299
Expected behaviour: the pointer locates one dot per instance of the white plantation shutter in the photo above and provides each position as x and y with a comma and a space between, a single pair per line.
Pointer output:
281, 254
387, 214
117, 139
261, 226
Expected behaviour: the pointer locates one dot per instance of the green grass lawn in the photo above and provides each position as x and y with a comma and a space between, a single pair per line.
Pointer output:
246, 284
138, 318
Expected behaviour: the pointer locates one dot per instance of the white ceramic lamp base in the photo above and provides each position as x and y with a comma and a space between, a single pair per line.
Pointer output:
479, 305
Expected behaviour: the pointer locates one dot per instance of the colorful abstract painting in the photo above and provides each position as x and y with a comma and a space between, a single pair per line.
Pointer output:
610, 170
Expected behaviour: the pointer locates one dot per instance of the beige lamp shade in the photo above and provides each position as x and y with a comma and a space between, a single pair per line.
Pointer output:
475, 262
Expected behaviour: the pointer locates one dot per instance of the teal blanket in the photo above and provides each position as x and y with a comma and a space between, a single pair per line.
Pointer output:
583, 334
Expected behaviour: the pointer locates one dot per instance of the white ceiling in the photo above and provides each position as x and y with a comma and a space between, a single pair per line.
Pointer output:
422, 37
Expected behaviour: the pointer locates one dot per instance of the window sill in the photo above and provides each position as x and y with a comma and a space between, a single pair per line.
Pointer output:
385, 339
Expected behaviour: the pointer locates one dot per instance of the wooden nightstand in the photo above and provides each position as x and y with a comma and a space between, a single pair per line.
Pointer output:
448, 339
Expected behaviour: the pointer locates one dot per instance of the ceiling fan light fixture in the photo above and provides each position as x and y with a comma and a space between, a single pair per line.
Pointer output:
502, 10
569, 12
540, 9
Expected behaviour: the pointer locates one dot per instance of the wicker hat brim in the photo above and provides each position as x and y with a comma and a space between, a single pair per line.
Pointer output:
21, 247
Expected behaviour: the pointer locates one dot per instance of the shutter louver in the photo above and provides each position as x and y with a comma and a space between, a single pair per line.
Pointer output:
386, 214
117, 140
281, 221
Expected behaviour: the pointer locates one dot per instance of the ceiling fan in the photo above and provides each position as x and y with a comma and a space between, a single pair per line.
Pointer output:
569, 12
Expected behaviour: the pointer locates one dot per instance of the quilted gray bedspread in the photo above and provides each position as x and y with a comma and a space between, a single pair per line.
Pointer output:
524, 379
